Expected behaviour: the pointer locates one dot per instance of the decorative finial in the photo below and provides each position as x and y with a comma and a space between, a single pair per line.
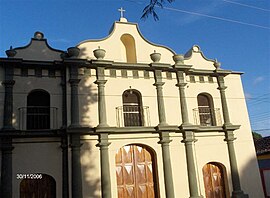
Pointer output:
217, 64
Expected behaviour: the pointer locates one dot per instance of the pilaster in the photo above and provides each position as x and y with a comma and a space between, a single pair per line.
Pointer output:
237, 191
76, 176
189, 139
101, 97
183, 103
6, 168
167, 167
160, 100
229, 138
105, 165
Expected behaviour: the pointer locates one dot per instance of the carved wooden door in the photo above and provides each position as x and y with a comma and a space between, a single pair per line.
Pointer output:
38, 188
135, 173
213, 181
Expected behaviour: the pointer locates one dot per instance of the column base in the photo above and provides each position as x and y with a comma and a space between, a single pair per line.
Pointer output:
239, 194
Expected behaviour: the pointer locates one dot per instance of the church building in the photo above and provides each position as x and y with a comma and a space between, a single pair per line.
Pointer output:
122, 117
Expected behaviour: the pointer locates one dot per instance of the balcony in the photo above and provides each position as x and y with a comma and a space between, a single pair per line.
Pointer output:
38, 118
132, 115
206, 116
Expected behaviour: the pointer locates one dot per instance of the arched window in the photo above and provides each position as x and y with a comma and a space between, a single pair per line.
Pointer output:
129, 48
38, 110
132, 108
206, 110
136, 172
215, 180
38, 188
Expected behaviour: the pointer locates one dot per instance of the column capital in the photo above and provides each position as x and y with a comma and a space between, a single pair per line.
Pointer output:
181, 85
100, 82
159, 84
188, 137
103, 141
164, 138
229, 136
222, 88
74, 81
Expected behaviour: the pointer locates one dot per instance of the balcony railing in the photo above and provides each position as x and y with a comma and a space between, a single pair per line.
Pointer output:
206, 116
132, 115
37, 118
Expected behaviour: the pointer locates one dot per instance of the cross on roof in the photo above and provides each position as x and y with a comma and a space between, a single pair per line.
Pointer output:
121, 10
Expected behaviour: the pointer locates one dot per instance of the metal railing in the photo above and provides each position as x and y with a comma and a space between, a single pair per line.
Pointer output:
206, 116
38, 117
132, 115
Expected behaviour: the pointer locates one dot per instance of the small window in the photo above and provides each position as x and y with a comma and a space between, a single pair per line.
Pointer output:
38, 110
132, 108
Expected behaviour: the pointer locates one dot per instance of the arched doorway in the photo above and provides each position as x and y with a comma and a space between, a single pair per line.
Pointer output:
136, 172
38, 188
215, 181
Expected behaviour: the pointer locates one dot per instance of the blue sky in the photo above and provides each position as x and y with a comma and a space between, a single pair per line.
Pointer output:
236, 32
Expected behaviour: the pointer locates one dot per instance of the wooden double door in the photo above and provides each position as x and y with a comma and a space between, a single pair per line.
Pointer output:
136, 172
38, 188
214, 181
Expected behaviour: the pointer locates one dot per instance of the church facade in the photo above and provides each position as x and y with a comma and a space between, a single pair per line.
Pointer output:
123, 117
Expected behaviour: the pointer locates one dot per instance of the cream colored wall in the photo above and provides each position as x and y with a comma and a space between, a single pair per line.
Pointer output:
37, 156
90, 163
114, 47
24, 85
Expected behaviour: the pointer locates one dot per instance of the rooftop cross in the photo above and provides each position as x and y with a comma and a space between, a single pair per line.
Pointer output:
121, 10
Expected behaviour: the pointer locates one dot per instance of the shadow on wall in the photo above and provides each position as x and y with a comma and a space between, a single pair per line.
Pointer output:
249, 176
89, 153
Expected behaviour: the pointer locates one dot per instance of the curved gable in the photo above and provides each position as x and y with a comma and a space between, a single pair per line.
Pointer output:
38, 49
196, 58
125, 44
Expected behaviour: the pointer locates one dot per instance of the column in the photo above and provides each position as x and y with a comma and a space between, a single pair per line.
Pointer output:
102, 117
65, 177
76, 176
74, 102
167, 167
237, 192
6, 143
229, 138
183, 103
105, 165
225, 110
6, 168
160, 100
191, 166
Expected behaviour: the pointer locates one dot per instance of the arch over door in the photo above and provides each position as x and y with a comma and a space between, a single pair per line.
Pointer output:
38, 188
136, 172
214, 177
